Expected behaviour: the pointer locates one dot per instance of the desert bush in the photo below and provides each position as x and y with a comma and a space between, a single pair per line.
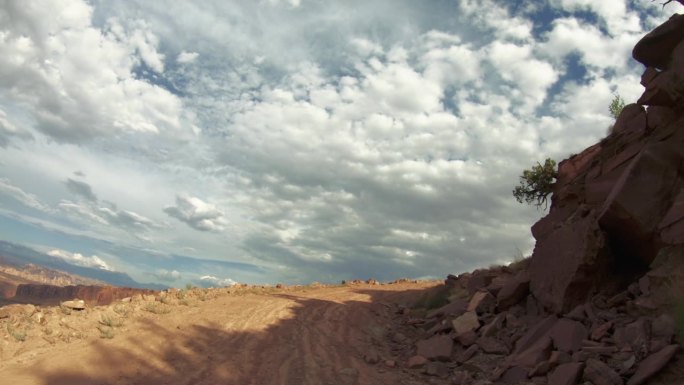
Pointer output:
122, 310
536, 184
433, 298
110, 321
616, 105
18, 335
106, 332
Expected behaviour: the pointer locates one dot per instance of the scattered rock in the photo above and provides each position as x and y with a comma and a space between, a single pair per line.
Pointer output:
514, 291
416, 362
566, 374
601, 374
482, 302
567, 335
438, 369
652, 365
76, 304
435, 348
466, 323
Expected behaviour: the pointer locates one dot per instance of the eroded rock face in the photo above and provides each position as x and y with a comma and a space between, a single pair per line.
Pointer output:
93, 295
619, 202
591, 306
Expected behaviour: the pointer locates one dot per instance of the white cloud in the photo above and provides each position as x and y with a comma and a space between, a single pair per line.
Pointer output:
80, 260
354, 146
196, 213
168, 275
210, 280
9, 130
187, 57
27, 199
77, 82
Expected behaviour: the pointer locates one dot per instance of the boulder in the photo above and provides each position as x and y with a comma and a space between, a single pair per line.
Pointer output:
416, 362
480, 279
467, 322
632, 118
566, 374
482, 302
75, 304
567, 335
639, 201
566, 265
655, 49
514, 291
514, 375
491, 345
435, 348
598, 373
652, 365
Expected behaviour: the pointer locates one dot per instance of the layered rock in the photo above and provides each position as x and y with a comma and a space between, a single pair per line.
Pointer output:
593, 303
93, 295
620, 202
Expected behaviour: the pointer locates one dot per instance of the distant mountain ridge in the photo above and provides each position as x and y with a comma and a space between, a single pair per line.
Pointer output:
20, 256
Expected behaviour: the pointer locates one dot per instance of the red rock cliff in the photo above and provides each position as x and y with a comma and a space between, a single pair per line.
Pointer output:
93, 295
620, 202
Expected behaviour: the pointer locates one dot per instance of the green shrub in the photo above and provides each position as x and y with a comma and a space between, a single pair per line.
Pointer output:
106, 332
536, 184
433, 298
110, 321
616, 106
18, 335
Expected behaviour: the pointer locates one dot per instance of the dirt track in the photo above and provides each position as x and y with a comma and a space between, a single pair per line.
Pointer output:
310, 336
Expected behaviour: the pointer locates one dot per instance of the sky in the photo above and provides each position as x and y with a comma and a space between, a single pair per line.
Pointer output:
296, 141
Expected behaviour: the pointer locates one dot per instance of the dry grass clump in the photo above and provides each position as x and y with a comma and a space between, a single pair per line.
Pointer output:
106, 332
111, 321
18, 335
157, 308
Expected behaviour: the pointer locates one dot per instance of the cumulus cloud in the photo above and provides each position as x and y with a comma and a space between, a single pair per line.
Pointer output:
196, 213
187, 57
355, 147
168, 275
211, 281
51, 50
80, 260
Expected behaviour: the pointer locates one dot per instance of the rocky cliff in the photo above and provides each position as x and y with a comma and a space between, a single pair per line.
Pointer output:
595, 303
92, 295
619, 203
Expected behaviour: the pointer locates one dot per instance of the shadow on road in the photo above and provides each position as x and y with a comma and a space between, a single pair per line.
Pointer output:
316, 342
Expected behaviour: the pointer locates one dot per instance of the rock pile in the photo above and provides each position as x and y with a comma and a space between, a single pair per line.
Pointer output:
593, 305
494, 331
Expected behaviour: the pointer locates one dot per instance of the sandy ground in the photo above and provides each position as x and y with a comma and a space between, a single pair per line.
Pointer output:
287, 337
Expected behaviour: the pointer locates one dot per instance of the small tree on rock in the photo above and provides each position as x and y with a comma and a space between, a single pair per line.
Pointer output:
616, 106
536, 184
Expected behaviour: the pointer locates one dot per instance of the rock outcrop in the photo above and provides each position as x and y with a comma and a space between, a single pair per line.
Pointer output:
593, 304
620, 202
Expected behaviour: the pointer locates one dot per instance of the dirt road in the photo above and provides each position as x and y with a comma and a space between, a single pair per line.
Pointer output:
287, 337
